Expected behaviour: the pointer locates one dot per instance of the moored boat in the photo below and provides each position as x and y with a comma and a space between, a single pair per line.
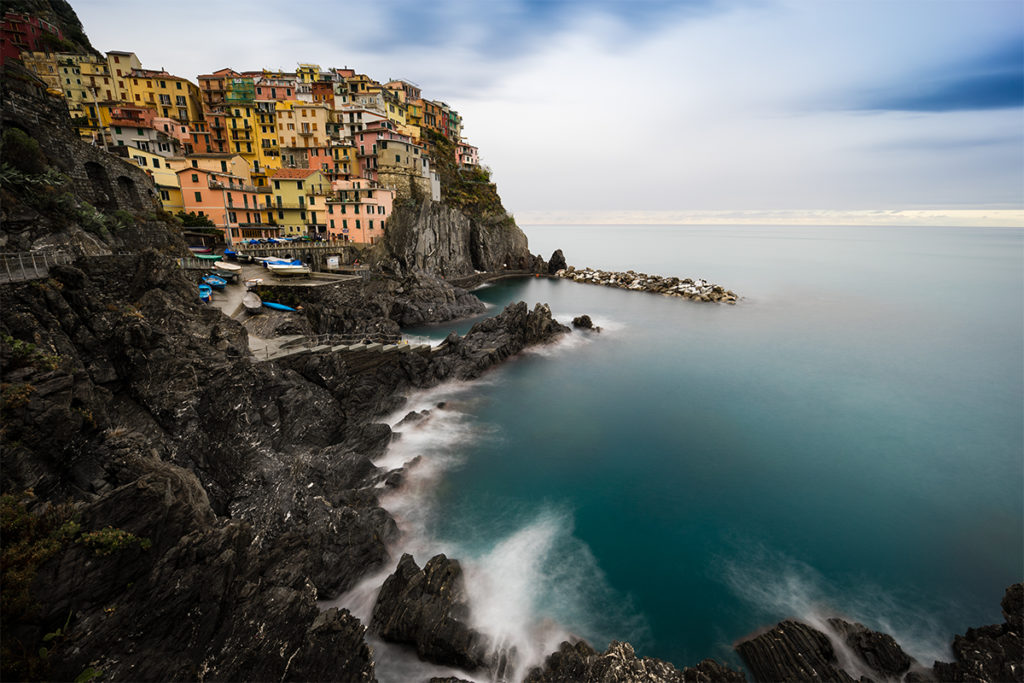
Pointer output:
253, 283
288, 269
214, 281
230, 254
228, 271
252, 302
205, 293
277, 306
200, 249
208, 257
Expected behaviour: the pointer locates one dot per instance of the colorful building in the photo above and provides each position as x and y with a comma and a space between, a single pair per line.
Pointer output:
299, 200
358, 211
164, 176
25, 33
228, 201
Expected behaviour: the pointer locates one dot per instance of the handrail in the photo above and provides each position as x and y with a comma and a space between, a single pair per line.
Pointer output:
30, 265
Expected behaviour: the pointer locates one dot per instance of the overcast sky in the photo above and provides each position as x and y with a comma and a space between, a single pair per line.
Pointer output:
662, 105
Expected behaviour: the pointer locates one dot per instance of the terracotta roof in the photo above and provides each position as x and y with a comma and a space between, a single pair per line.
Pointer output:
298, 173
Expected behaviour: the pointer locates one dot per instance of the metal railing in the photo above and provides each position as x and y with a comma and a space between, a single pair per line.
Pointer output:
371, 337
30, 265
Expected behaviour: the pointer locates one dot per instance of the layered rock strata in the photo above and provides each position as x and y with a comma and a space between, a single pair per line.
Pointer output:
844, 651
688, 288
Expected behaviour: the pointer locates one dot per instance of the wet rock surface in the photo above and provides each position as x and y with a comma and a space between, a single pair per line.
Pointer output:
427, 608
794, 651
694, 289
580, 663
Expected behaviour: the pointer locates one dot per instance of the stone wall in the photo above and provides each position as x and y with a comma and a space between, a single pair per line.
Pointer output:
402, 182
104, 180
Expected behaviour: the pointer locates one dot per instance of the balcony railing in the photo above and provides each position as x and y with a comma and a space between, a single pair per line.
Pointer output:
215, 185
305, 133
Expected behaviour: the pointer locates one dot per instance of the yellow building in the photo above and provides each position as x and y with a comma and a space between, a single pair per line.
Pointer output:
240, 124
301, 124
231, 164
346, 159
308, 73
162, 171
171, 96
265, 137
299, 201
120, 65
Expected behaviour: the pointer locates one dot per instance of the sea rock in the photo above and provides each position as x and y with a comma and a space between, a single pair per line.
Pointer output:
792, 651
556, 262
580, 663
584, 322
878, 650
990, 653
427, 608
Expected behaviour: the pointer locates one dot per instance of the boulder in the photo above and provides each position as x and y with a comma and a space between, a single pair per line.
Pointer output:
427, 608
556, 262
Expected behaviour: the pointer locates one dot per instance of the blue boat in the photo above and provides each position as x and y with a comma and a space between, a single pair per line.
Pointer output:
277, 307
205, 293
214, 281
231, 254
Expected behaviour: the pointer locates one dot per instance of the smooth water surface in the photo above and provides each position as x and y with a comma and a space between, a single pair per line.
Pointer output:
848, 438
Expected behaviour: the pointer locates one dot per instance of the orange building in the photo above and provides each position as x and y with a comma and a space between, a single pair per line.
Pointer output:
227, 201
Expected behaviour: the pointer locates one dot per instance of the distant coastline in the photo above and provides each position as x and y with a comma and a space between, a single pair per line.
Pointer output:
968, 218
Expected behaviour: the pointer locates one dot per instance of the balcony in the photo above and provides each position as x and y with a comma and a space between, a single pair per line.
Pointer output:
306, 133
216, 185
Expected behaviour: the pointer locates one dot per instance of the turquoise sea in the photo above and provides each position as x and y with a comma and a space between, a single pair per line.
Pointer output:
848, 439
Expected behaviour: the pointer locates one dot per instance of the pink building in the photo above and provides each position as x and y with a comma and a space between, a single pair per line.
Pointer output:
468, 155
359, 211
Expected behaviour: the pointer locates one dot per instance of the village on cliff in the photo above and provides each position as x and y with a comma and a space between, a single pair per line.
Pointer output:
311, 153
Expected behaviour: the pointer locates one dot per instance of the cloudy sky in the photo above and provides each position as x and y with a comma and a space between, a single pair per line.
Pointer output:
669, 106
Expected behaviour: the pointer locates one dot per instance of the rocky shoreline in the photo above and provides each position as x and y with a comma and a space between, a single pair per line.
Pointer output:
687, 288
174, 508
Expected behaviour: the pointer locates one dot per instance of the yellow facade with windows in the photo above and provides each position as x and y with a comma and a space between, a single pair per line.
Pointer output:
162, 171
171, 96
301, 124
299, 200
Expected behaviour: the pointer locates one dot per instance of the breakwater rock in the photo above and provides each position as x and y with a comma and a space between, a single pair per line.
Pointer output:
842, 651
687, 288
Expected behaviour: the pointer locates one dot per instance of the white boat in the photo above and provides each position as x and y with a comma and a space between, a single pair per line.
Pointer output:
253, 283
227, 270
280, 269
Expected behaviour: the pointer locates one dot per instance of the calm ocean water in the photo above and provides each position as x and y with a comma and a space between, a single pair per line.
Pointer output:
848, 439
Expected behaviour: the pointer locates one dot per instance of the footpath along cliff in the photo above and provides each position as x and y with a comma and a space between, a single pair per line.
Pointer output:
173, 509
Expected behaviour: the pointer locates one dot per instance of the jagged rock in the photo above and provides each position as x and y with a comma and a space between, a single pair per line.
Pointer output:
584, 322
579, 663
412, 418
556, 262
990, 653
792, 651
427, 608
878, 650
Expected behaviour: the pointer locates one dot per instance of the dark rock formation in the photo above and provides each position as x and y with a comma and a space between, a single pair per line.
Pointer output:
579, 663
427, 608
990, 653
878, 650
557, 262
792, 651
446, 241
796, 651
583, 322
69, 195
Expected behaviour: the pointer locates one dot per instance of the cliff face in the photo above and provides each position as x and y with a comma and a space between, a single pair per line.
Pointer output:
442, 239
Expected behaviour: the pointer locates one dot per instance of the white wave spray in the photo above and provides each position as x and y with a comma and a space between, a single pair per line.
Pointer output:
523, 586
780, 586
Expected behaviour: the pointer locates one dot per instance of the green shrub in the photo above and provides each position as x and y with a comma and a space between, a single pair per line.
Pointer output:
22, 151
109, 540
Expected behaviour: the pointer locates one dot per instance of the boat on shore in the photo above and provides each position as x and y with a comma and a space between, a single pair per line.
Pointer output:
205, 293
277, 306
200, 249
288, 269
208, 257
214, 281
253, 283
252, 302
230, 254
228, 271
